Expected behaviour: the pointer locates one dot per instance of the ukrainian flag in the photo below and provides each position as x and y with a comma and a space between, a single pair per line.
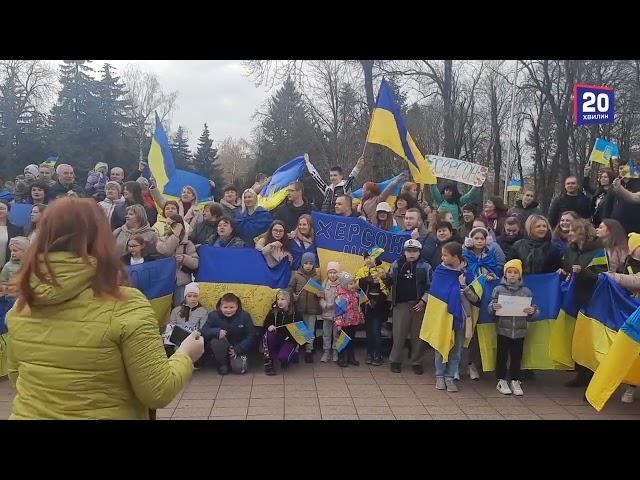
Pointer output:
391, 199
598, 324
347, 239
444, 311
275, 192
375, 252
547, 295
300, 332
603, 151
340, 306
169, 180
620, 364
342, 341
242, 271
514, 185
599, 258
388, 128
314, 286
157, 281
362, 297
562, 329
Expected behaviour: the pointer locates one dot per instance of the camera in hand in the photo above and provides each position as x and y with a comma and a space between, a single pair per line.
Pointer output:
178, 335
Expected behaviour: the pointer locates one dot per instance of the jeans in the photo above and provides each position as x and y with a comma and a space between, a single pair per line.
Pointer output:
373, 324
449, 369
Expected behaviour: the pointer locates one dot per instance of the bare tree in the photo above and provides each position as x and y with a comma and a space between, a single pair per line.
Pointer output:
235, 158
145, 96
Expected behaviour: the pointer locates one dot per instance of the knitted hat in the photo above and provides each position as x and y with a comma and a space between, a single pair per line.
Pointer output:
191, 288
634, 241
20, 242
113, 184
515, 263
334, 266
345, 279
32, 169
308, 257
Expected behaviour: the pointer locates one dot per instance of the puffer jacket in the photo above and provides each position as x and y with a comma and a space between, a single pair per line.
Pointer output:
76, 356
171, 246
511, 327
353, 316
306, 302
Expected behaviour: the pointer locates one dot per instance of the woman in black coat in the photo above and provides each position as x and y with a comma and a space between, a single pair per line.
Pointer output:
536, 251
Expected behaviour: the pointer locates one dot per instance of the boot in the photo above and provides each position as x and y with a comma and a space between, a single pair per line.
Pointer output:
269, 369
342, 359
582, 379
351, 358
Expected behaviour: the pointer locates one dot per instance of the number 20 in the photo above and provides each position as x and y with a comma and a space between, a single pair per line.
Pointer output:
589, 99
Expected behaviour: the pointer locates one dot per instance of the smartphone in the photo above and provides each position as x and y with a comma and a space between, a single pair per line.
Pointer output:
178, 335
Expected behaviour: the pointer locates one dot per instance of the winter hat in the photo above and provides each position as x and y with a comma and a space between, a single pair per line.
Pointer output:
191, 288
345, 279
468, 241
21, 242
515, 263
333, 266
100, 165
113, 184
384, 207
308, 257
634, 241
31, 169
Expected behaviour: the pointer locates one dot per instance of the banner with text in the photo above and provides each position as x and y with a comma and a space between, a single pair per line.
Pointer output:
458, 170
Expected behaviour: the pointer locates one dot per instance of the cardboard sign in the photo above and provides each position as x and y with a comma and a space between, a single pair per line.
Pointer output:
458, 170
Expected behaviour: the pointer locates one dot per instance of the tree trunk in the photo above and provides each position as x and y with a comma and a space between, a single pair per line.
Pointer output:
449, 147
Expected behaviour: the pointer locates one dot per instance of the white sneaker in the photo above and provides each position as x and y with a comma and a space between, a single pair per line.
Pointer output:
516, 388
334, 358
503, 387
628, 395
473, 372
456, 376
326, 356
440, 385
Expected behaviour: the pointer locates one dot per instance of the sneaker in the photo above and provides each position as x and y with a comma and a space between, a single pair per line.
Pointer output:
628, 395
334, 357
326, 356
308, 357
456, 376
516, 388
451, 385
417, 369
440, 384
369, 360
396, 367
268, 369
503, 387
377, 361
473, 372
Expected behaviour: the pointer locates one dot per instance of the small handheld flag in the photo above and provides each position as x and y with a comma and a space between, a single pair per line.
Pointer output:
599, 259
313, 286
603, 151
300, 332
514, 185
362, 297
375, 252
340, 306
342, 341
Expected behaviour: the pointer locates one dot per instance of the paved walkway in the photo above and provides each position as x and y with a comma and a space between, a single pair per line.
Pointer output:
325, 391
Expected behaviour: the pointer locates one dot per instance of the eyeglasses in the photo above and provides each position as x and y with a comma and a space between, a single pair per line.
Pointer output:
133, 245
277, 230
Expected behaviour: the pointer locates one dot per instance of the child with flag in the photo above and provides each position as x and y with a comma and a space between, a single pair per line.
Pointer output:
511, 329
277, 341
629, 278
307, 301
349, 320
376, 309
329, 329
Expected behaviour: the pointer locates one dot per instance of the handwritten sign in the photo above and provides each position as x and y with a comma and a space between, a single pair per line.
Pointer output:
458, 170
512, 306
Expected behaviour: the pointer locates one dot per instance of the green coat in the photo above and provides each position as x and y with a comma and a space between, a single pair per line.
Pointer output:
453, 207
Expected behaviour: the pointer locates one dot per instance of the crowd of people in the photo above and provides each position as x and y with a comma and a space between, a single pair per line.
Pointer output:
137, 224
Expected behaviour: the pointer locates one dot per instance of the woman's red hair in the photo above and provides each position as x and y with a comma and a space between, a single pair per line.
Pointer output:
78, 226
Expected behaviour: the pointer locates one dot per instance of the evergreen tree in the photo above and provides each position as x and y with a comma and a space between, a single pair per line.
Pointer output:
182, 156
205, 160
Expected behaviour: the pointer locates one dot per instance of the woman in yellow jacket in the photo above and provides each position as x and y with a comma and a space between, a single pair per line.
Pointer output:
81, 346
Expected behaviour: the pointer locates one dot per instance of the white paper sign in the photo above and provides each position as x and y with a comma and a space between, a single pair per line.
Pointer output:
458, 170
512, 306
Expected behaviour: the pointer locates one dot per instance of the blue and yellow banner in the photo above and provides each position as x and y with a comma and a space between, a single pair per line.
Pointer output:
514, 185
169, 180
562, 329
347, 239
389, 129
157, 281
342, 341
275, 192
391, 199
244, 272
300, 332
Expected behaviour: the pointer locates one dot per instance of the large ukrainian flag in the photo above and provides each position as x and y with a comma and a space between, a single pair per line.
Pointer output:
157, 281
562, 329
347, 239
275, 192
388, 128
598, 323
547, 296
391, 199
244, 272
169, 180
444, 311
620, 364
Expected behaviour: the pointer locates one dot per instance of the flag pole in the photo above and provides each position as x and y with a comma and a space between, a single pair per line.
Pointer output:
507, 172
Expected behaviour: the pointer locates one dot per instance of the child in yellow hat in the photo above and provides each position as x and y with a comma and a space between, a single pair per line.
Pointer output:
511, 329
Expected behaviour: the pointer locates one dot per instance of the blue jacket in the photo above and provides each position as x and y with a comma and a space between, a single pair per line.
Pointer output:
423, 278
241, 333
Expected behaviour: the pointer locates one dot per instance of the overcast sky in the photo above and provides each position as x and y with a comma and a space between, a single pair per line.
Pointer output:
212, 91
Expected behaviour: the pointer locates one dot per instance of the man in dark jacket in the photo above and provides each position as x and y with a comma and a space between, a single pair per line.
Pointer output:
572, 199
620, 208
511, 234
338, 186
290, 211
65, 184
525, 207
